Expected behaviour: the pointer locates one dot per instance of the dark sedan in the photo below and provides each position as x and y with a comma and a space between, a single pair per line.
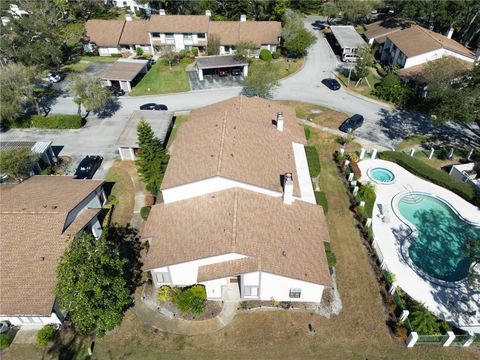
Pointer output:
352, 123
87, 167
116, 91
153, 106
332, 84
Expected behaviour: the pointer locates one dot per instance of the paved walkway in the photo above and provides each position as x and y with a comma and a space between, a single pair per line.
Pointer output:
26, 335
190, 327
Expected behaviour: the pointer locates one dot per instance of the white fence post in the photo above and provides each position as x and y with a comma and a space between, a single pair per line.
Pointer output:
355, 190
404, 315
362, 154
374, 154
450, 154
342, 151
350, 177
412, 339
451, 337
393, 287
412, 152
432, 150
470, 153
361, 203
470, 340
347, 162
368, 222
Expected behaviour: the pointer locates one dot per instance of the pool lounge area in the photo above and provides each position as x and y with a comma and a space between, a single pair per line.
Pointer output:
421, 231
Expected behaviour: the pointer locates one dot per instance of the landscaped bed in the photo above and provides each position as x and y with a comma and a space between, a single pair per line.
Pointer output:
318, 114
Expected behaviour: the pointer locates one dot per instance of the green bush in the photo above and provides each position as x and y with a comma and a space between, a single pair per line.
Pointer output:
186, 60
313, 160
57, 121
307, 132
276, 54
265, 55
390, 88
46, 335
322, 200
164, 293
423, 170
5, 341
367, 194
116, 55
381, 71
190, 299
331, 258
195, 51
182, 53
139, 51
145, 211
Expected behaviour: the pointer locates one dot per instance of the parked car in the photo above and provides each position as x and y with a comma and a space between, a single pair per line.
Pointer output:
87, 167
55, 77
116, 91
153, 106
150, 63
222, 72
332, 84
42, 87
236, 71
352, 123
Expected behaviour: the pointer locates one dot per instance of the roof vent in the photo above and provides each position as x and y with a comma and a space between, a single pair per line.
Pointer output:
42, 258
288, 189
162, 12
243, 17
280, 121
284, 253
54, 207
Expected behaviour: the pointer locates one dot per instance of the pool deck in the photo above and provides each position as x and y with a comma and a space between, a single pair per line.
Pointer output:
460, 304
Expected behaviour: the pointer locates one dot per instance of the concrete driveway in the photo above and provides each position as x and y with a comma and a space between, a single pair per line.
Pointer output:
213, 81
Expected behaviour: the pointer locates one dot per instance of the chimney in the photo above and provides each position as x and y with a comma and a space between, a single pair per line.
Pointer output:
288, 189
450, 32
243, 17
280, 121
128, 17
208, 13
162, 12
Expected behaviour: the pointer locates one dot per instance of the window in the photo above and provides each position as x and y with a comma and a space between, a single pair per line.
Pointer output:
155, 34
250, 291
169, 36
201, 35
162, 277
124, 3
187, 36
295, 293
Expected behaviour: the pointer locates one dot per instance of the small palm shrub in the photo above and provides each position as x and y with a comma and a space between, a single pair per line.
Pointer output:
46, 335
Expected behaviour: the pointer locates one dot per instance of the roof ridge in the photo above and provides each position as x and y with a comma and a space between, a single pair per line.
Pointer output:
234, 222
222, 142
427, 31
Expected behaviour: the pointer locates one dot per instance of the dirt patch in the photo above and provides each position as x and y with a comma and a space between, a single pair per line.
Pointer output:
212, 309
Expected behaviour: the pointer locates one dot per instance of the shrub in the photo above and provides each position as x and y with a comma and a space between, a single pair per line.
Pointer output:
164, 293
139, 51
265, 55
182, 53
144, 212
190, 299
421, 169
46, 335
353, 157
391, 89
307, 132
147, 54
5, 341
313, 160
331, 258
117, 55
194, 51
57, 121
322, 200
355, 169
276, 54
186, 60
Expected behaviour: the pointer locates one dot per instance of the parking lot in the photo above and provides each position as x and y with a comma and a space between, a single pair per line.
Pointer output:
213, 81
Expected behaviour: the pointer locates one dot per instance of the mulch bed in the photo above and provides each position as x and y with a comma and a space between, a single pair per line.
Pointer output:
212, 309
257, 304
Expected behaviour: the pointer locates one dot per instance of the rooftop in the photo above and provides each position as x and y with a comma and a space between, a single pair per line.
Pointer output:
135, 32
276, 238
236, 139
347, 36
258, 32
217, 61
379, 29
33, 217
37, 147
124, 70
160, 121
104, 32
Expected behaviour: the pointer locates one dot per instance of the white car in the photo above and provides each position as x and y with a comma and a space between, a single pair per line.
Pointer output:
54, 77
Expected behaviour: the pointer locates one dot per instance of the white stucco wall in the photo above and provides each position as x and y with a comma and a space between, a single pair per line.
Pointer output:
107, 51
278, 288
208, 186
92, 201
213, 288
433, 55
32, 320
251, 279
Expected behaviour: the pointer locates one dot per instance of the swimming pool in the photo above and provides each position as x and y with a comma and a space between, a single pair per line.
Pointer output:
381, 175
440, 242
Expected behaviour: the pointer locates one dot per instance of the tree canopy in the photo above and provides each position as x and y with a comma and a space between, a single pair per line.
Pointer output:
17, 163
297, 39
91, 285
261, 80
89, 92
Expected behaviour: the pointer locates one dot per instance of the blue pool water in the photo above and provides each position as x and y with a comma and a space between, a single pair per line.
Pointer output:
382, 175
440, 248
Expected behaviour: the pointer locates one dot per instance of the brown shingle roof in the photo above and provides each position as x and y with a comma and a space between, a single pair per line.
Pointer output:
123, 70
104, 32
179, 23
227, 268
236, 139
258, 32
379, 29
32, 219
286, 240
135, 32
417, 40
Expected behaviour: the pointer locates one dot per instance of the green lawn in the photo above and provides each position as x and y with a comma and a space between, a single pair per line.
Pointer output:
320, 115
99, 58
179, 119
75, 68
161, 79
282, 66
123, 191
363, 87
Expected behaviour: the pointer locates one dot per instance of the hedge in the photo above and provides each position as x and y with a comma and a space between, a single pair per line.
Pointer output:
46, 335
438, 177
265, 55
144, 212
57, 121
331, 258
321, 199
5, 341
313, 160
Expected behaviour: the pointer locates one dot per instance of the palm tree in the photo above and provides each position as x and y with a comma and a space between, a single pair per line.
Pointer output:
423, 321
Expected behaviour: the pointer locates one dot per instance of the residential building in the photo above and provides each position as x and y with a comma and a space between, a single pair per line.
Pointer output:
238, 176
348, 41
376, 32
37, 218
161, 123
416, 45
162, 33
124, 73
132, 5
41, 150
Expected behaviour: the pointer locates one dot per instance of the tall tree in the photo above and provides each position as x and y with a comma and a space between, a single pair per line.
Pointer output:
89, 92
364, 62
296, 38
213, 45
91, 284
262, 80
243, 49
17, 163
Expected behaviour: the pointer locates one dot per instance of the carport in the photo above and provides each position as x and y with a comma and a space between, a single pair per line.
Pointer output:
349, 40
161, 123
124, 73
210, 64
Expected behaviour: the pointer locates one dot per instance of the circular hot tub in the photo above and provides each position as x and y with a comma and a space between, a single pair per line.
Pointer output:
381, 175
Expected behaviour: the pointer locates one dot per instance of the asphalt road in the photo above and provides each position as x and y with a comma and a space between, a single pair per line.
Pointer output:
383, 125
